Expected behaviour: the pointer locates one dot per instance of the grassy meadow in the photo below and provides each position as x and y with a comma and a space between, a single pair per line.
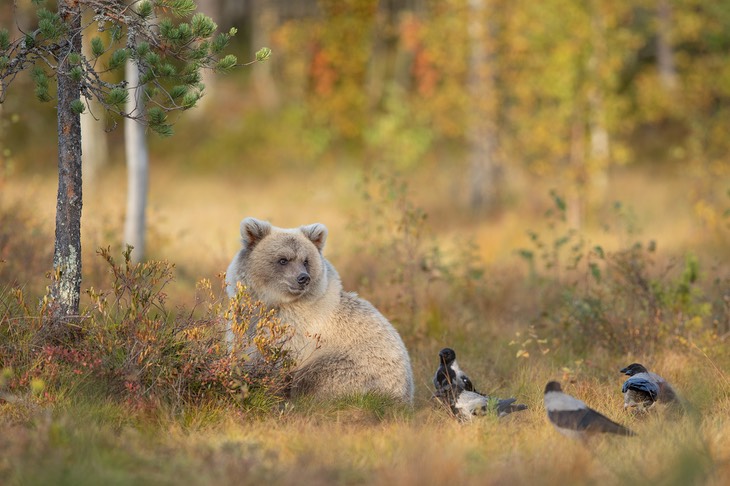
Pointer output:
521, 295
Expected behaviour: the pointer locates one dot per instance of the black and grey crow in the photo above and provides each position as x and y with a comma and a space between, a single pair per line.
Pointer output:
574, 418
644, 388
468, 404
455, 389
449, 374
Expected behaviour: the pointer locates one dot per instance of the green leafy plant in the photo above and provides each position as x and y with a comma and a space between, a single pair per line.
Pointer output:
393, 231
562, 250
618, 300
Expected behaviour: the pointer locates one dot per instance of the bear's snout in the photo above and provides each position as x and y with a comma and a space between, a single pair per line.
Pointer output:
303, 279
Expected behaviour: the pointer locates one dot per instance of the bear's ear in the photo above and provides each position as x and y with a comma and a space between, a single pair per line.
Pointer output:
253, 230
317, 234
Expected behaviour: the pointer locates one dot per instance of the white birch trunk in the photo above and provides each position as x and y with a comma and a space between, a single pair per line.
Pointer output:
665, 55
94, 147
211, 8
485, 172
265, 18
135, 144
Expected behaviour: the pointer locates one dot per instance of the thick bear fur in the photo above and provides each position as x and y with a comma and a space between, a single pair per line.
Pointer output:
341, 343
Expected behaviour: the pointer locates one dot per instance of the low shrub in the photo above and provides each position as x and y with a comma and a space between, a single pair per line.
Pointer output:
622, 300
131, 347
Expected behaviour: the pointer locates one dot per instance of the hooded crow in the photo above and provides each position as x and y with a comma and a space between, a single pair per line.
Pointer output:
468, 404
574, 418
456, 390
644, 388
449, 374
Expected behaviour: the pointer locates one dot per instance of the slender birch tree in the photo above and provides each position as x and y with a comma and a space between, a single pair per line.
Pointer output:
137, 156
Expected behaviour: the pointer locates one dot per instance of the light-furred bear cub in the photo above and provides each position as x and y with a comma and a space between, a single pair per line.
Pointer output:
341, 343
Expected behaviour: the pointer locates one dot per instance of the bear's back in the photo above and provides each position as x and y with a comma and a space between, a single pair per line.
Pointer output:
358, 350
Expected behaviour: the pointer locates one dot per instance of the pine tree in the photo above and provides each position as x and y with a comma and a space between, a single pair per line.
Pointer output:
170, 45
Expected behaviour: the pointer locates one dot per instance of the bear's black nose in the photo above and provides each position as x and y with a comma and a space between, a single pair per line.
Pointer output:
303, 279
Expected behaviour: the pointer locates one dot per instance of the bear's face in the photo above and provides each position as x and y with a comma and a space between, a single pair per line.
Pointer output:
283, 265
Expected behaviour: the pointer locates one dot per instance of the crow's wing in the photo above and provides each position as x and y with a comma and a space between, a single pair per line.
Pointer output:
642, 385
586, 420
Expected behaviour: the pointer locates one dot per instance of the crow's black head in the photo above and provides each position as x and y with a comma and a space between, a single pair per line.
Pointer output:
634, 369
447, 356
553, 386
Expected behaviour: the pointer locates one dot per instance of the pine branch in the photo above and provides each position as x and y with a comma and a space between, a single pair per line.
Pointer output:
169, 51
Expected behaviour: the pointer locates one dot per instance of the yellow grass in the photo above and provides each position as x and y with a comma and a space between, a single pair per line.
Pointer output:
351, 447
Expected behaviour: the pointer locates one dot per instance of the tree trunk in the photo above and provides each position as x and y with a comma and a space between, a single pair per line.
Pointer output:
66, 286
93, 146
93, 138
135, 144
264, 17
665, 56
211, 8
485, 172
599, 143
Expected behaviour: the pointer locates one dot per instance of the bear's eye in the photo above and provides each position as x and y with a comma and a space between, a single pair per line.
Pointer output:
306, 264
283, 261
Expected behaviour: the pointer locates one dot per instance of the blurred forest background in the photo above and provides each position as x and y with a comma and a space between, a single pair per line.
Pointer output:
542, 185
475, 139
415, 129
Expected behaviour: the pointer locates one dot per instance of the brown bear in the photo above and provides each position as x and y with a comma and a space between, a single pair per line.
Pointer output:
341, 344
